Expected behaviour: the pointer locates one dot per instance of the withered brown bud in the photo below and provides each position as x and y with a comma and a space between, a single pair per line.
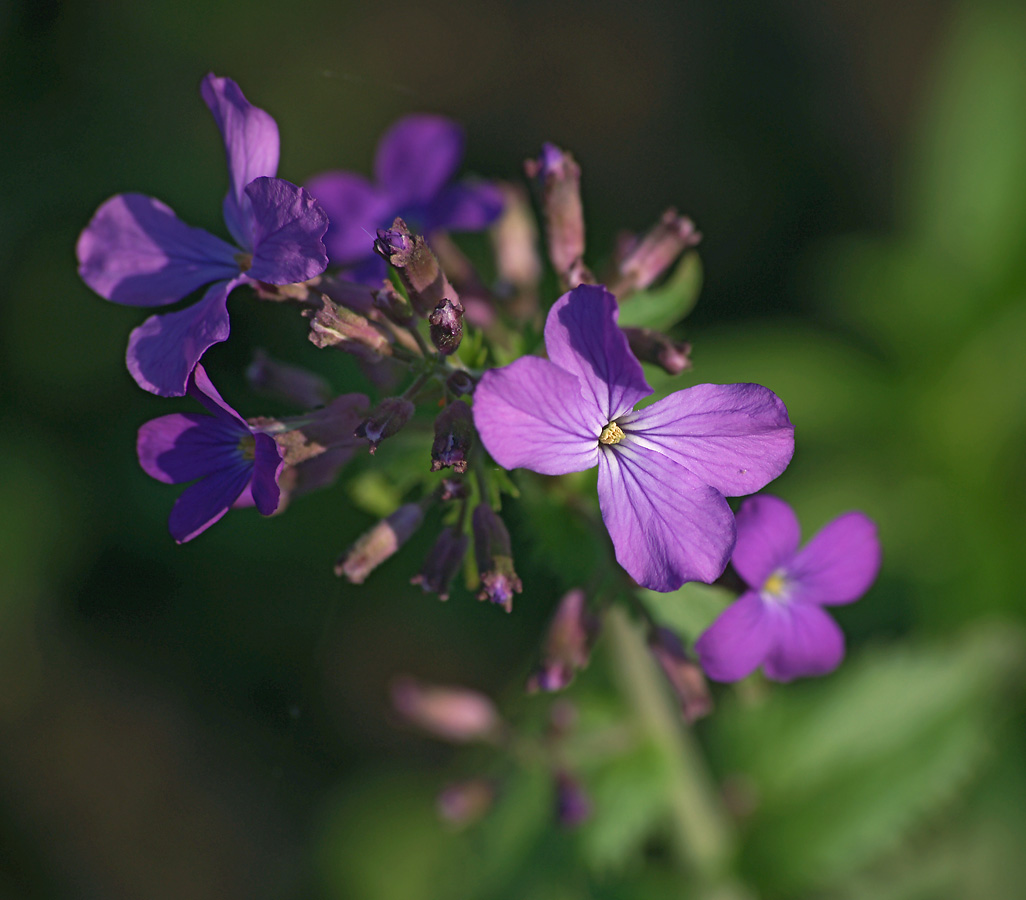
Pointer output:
494, 556
446, 327
454, 435
335, 326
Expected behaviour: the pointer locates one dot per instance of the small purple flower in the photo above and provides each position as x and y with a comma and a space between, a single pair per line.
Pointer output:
137, 252
413, 168
779, 624
231, 463
663, 470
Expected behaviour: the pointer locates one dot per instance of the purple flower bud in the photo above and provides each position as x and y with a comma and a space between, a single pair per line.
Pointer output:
465, 802
393, 304
651, 346
515, 240
460, 383
394, 242
454, 489
417, 266
499, 582
454, 714
572, 804
373, 547
335, 326
293, 384
442, 563
446, 327
390, 415
684, 675
560, 179
454, 434
350, 294
567, 644
651, 256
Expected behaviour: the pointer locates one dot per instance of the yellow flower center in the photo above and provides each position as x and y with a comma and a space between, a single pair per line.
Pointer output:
776, 585
611, 434
245, 261
247, 446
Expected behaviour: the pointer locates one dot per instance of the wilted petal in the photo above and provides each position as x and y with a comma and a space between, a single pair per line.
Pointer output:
735, 437
839, 564
251, 148
356, 210
737, 643
136, 251
203, 503
582, 337
808, 642
186, 446
767, 537
163, 351
417, 156
288, 225
667, 526
267, 466
466, 206
531, 414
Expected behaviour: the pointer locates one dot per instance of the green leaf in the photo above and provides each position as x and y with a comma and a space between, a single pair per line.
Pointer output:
664, 306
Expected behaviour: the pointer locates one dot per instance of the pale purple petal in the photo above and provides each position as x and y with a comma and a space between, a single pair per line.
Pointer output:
737, 643
581, 336
355, 209
807, 642
839, 564
767, 538
667, 526
201, 388
530, 414
163, 351
136, 251
206, 501
417, 156
251, 148
466, 206
735, 437
186, 446
287, 231
267, 466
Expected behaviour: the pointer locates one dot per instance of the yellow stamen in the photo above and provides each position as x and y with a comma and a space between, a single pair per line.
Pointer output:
775, 585
245, 261
611, 434
247, 446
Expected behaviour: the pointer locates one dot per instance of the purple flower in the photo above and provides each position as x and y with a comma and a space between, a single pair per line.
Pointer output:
232, 464
137, 252
779, 624
413, 168
663, 470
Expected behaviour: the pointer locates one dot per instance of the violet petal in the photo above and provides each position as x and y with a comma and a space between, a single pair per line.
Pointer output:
206, 501
201, 388
667, 526
267, 466
137, 252
355, 209
767, 537
735, 437
288, 225
839, 564
466, 206
416, 157
186, 446
531, 414
808, 642
737, 643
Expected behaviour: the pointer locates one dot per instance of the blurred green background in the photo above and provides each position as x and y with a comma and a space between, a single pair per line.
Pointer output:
213, 721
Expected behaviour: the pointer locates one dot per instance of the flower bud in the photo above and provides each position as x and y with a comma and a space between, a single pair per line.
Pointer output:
560, 179
460, 383
454, 435
392, 304
655, 347
572, 804
567, 644
442, 563
499, 582
335, 326
417, 266
685, 676
294, 385
454, 714
390, 415
454, 489
465, 802
515, 240
651, 256
446, 327
373, 547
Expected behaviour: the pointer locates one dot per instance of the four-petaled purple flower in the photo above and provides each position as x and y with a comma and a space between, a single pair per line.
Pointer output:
663, 470
234, 465
414, 165
136, 251
779, 623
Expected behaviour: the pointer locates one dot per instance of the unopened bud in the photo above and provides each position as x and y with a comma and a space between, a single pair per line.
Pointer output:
390, 415
460, 383
393, 304
454, 489
651, 256
454, 435
373, 547
515, 239
442, 563
446, 327
684, 674
572, 804
464, 802
335, 326
494, 556
560, 179
417, 266
454, 714
567, 644
294, 385
651, 346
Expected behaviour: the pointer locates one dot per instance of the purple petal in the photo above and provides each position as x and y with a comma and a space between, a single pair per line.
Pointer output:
840, 563
267, 466
356, 210
667, 526
807, 642
163, 351
767, 537
531, 415
288, 225
737, 643
735, 437
203, 503
581, 336
186, 446
201, 388
251, 148
417, 156
467, 206
136, 251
